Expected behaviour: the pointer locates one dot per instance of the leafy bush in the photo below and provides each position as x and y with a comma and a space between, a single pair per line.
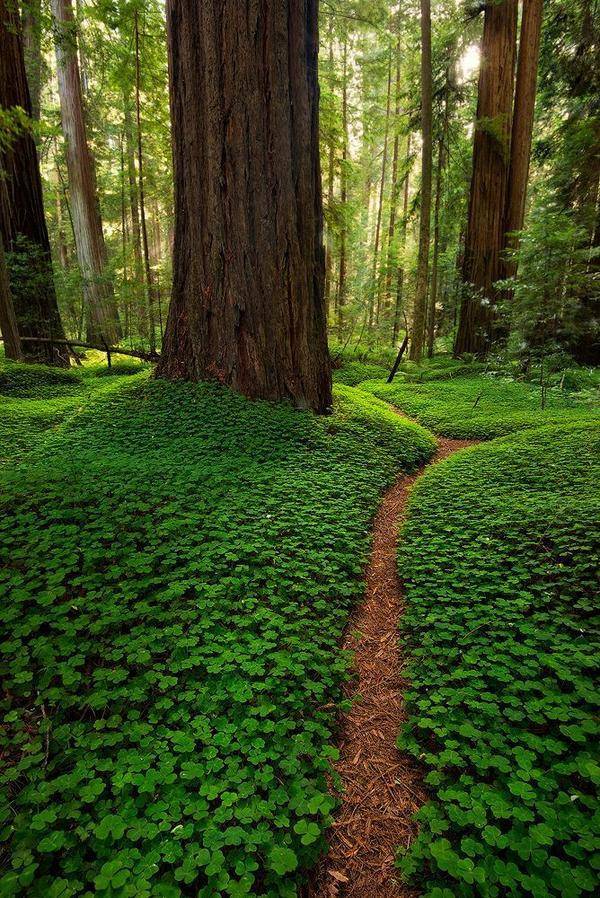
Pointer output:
500, 556
178, 567
478, 407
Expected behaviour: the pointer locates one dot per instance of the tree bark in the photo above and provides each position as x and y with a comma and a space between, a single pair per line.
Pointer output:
247, 307
8, 319
484, 239
101, 311
418, 325
522, 125
341, 287
22, 222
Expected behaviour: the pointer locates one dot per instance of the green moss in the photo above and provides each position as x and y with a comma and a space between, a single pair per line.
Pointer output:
178, 567
500, 555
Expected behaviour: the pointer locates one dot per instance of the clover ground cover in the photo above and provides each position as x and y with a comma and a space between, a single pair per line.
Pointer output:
178, 565
500, 556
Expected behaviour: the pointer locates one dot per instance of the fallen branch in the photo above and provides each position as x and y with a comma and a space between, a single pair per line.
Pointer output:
109, 350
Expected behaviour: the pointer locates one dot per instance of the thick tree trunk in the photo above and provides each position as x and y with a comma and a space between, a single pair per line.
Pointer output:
22, 223
418, 324
101, 310
32, 48
341, 287
484, 239
403, 226
375, 309
248, 304
522, 124
8, 319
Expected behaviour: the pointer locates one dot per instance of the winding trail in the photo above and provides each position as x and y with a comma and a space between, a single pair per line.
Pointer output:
382, 788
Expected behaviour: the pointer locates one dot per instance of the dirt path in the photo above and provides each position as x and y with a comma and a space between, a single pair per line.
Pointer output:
382, 787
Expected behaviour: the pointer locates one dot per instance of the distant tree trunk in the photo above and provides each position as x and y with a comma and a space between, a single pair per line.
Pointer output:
150, 287
134, 208
484, 239
436, 229
341, 290
522, 124
418, 324
402, 242
61, 240
8, 319
22, 223
375, 308
32, 48
248, 301
330, 180
395, 184
101, 310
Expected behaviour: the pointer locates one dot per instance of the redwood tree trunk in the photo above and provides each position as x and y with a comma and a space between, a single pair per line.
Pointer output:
522, 124
101, 310
248, 303
418, 324
484, 239
22, 223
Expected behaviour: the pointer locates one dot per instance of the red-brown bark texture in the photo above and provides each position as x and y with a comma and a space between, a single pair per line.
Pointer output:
22, 223
491, 156
248, 306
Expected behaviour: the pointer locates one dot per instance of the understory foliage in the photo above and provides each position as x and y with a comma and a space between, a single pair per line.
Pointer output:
178, 565
499, 557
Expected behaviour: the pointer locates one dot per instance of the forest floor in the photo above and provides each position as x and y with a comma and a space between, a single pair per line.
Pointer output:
179, 568
381, 787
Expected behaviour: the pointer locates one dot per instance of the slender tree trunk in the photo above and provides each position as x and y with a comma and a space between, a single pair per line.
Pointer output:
32, 48
436, 252
22, 222
522, 124
403, 226
484, 239
330, 180
375, 308
248, 303
133, 192
418, 324
436, 228
395, 184
341, 290
101, 311
151, 291
61, 240
8, 319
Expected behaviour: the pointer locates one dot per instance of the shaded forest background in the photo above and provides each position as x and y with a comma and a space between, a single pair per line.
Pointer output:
376, 208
